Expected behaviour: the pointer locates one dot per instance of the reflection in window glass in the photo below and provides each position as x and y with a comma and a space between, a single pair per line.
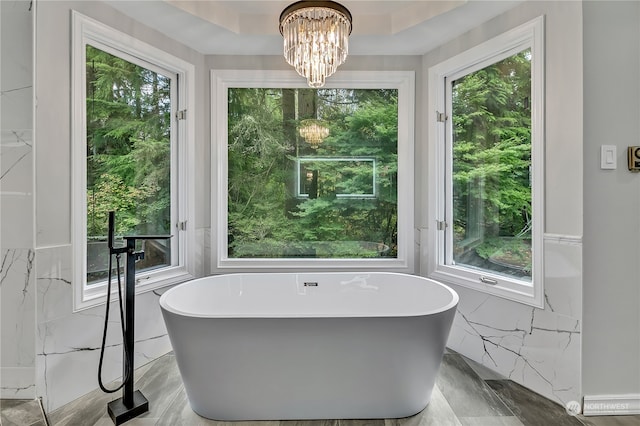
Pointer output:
491, 168
128, 158
339, 177
312, 173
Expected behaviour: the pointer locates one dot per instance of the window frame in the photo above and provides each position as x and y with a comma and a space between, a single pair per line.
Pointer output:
222, 80
87, 31
438, 256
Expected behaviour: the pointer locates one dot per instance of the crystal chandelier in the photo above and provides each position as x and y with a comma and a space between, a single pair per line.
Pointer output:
316, 38
313, 132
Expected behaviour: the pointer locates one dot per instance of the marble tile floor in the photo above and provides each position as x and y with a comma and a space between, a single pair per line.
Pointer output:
466, 394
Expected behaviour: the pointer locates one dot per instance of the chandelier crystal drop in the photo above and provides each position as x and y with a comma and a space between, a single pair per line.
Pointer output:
316, 38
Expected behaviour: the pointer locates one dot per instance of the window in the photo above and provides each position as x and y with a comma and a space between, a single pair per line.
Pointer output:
129, 155
486, 166
312, 177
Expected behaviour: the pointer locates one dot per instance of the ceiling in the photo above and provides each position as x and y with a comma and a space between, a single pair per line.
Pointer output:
380, 27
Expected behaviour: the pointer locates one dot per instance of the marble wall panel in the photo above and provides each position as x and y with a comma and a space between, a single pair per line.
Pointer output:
16, 146
68, 343
16, 182
16, 101
17, 323
17, 383
17, 285
538, 348
18, 307
53, 278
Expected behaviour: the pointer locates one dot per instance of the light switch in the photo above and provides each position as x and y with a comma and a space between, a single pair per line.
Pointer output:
608, 157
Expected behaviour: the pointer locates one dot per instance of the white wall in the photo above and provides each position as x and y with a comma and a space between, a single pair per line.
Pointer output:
67, 343
539, 348
611, 340
17, 285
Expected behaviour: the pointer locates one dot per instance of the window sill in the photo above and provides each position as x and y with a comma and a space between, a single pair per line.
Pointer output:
306, 264
527, 294
96, 294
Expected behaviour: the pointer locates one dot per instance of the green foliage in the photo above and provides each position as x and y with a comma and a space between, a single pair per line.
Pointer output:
492, 160
128, 146
514, 252
111, 194
492, 147
267, 218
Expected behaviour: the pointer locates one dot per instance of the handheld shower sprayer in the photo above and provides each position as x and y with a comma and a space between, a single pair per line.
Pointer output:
117, 252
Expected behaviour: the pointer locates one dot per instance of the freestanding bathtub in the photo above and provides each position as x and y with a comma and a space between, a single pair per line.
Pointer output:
328, 345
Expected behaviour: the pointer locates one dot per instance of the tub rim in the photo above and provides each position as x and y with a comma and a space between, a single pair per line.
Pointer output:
455, 298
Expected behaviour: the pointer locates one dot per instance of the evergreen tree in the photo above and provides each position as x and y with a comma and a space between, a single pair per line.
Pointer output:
266, 215
128, 146
492, 159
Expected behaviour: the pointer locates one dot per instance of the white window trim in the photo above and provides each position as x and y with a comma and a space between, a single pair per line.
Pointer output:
222, 80
530, 34
89, 31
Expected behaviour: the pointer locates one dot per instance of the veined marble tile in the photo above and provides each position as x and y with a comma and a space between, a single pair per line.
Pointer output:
16, 161
152, 340
539, 349
67, 359
16, 38
91, 407
559, 348
16, 138
16, 100
16, 227
17, 382
18, 307
69, 345
563, 278
53, 280
149, 322
16, 186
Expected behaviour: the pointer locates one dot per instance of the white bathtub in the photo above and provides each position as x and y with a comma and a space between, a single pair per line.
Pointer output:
309, 346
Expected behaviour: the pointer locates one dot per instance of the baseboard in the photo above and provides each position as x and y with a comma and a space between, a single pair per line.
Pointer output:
611, 405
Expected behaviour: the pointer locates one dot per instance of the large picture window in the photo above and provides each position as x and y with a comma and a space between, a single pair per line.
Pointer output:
129, 156
488, 176
312, 175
